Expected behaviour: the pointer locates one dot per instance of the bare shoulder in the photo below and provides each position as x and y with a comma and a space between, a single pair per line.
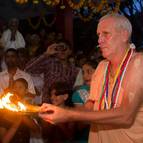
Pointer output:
135, 69
136, 62
134, 76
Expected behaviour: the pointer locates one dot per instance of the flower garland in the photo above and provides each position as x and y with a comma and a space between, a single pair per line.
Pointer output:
86, 18
55, 2
75, 5
117, 7
32, 25
114, 9
49, 24
36, 26
21, 1
103, 6
94, 6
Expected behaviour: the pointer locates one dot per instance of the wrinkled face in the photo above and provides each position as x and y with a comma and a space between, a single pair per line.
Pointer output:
58, 100
87, 73
63, 51
109, 38
20, 89
11, 59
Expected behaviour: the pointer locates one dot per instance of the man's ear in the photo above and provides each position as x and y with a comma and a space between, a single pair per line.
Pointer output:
125, 35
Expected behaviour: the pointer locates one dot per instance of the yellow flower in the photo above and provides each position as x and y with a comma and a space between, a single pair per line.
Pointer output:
75, 5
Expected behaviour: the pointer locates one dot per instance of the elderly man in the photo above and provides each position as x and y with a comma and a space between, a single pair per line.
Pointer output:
116, 90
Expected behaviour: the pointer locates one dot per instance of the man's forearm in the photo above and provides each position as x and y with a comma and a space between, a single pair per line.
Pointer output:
116, 116
33, 65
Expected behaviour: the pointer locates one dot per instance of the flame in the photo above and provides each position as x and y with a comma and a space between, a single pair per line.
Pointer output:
7, 104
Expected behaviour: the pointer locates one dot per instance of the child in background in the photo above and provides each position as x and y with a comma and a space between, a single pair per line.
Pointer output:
80, 96
20, 88
60, 95
18, 128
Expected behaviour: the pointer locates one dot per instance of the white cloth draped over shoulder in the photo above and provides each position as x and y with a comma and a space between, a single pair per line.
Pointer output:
7, 43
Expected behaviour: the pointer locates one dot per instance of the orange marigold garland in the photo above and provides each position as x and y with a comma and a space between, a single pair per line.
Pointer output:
113, 7
21, 1
52, 2
93, 5
75, 5
103, 6
36, 25
48, 24
117, 7
41, 18
55, 2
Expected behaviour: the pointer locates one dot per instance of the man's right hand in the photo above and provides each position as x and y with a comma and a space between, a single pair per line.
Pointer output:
51, 50
53, 114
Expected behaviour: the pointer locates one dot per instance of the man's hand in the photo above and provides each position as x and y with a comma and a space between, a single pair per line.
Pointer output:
52, 50
53, 114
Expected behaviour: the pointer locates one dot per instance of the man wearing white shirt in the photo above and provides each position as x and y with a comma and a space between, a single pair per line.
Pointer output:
12, 38
13, 72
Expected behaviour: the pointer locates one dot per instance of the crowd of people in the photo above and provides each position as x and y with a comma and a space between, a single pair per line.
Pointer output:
43, 69
95, 98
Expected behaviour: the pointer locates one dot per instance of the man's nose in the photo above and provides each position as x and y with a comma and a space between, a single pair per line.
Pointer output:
100, 39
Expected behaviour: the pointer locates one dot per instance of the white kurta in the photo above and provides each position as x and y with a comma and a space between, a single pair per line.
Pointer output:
7, 43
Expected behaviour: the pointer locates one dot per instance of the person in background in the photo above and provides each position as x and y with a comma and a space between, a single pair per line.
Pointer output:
13, 72
59, 36
20, 88
116, 95
34, 47
23, 57
80, 97
80, 60
12, 38
50, 39
54, 66
16, 128
60, 95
